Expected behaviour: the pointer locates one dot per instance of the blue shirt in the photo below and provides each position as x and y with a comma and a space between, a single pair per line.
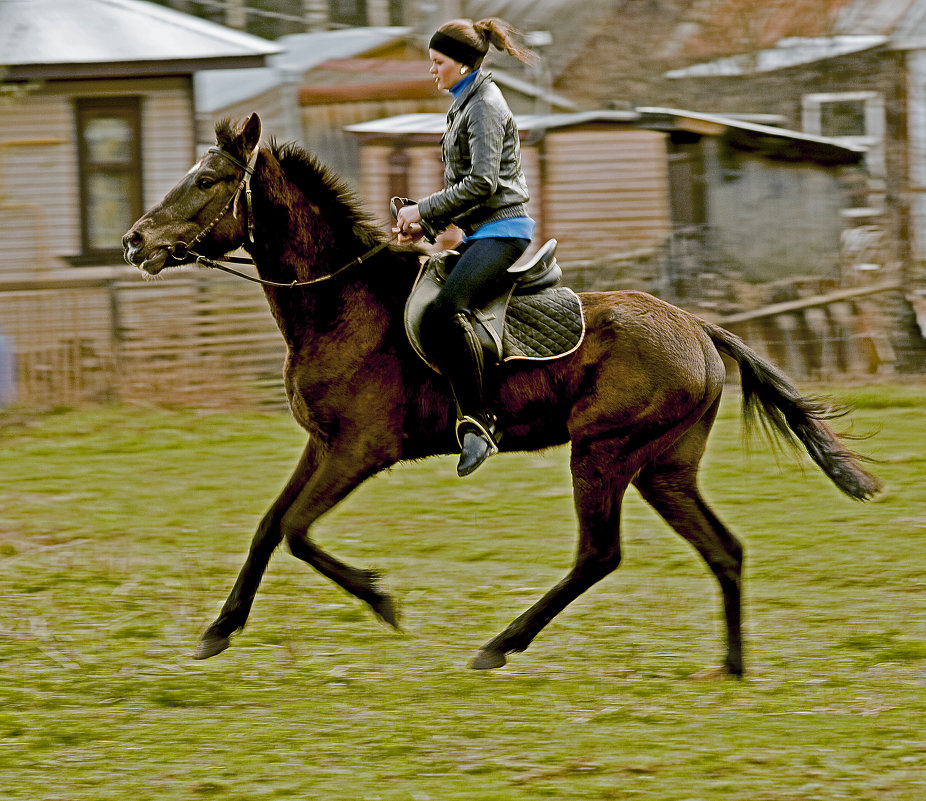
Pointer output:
513, 227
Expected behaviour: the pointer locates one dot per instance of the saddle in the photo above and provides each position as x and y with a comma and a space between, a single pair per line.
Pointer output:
533, 319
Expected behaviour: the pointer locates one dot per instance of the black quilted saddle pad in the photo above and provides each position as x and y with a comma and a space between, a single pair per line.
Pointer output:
543, 326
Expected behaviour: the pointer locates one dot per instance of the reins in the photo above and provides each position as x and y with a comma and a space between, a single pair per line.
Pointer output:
181, 250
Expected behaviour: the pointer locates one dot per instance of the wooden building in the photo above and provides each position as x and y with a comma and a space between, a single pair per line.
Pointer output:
97, 124
614, 182
104, 124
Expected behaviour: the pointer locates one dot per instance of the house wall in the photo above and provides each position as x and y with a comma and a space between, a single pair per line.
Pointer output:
39, 173
605, 190
770, 219
780, 92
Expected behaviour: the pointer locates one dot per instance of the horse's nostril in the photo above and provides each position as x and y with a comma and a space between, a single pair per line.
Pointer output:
132, 239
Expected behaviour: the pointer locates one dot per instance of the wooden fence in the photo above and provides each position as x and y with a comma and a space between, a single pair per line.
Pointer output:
205, 339
192, 339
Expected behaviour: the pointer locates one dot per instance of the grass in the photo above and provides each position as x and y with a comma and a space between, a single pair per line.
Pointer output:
121, 531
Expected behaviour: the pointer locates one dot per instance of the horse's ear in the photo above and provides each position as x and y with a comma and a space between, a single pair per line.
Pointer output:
250, 132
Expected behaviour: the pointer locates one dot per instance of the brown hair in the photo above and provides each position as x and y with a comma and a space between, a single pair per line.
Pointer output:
487, 32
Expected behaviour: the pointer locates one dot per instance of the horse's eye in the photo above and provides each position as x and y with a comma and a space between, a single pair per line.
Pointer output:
205, 183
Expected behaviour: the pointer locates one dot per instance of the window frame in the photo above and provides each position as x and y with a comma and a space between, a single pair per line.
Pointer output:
874, 115
129, 109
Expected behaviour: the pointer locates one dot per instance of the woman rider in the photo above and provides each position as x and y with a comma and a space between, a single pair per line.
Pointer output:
484, 195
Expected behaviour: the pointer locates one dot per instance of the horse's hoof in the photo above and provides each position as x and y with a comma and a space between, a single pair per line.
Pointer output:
487, 660
210, 645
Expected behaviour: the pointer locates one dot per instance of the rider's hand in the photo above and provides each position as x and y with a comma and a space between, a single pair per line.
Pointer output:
414, 233
408, 216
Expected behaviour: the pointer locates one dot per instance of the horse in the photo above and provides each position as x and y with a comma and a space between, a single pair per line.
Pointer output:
635, 401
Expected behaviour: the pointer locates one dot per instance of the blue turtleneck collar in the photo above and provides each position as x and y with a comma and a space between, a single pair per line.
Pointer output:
458, 88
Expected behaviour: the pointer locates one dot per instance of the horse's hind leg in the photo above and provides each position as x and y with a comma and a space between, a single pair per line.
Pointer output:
598, 500
669, 485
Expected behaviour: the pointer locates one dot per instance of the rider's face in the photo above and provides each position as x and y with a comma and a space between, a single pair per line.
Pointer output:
444, 70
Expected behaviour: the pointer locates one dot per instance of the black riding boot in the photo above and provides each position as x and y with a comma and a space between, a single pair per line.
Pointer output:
464, 365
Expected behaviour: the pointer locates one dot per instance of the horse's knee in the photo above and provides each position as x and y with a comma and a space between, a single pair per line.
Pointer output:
594, 565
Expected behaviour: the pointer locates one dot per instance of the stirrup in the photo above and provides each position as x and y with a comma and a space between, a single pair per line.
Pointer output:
477, 444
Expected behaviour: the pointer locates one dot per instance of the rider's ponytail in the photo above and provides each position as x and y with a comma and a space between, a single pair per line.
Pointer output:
468, 42
500, 35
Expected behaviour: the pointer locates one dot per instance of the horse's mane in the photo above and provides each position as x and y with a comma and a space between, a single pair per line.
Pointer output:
338, 202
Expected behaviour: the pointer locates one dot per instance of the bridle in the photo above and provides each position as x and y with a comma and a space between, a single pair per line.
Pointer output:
181, 251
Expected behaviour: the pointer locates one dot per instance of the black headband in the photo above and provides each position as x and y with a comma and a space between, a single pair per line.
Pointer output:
457, 50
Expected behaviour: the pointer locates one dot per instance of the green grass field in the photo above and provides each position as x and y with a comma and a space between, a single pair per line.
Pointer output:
122, 529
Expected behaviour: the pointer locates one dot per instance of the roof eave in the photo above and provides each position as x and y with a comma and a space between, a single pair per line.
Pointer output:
773, 142
130, 69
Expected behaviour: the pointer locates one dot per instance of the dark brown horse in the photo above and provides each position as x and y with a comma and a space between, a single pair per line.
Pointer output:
636, 401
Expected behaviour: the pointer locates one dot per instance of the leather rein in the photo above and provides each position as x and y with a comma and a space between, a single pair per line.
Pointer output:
182, 250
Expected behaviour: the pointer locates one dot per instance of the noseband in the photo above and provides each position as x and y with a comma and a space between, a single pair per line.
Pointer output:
182, 250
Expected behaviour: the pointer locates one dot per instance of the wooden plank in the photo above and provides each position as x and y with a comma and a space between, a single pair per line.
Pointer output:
804, 303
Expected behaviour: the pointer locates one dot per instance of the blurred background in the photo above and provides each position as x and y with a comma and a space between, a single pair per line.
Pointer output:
760, 163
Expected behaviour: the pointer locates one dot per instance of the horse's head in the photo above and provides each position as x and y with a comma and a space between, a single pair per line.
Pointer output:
206, 210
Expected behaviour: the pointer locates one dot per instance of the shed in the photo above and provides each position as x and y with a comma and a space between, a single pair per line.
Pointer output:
738, 185
598, 180
610, 182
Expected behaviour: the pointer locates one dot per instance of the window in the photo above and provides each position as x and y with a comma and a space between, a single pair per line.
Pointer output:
857, 118
109, 150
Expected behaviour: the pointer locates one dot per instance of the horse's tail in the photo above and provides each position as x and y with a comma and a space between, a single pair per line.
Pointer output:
770, 399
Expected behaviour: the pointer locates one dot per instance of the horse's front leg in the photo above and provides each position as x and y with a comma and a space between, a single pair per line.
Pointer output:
336, 477
318, 483
268, 536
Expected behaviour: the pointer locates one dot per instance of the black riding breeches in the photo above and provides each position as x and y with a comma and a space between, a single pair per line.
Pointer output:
478, 275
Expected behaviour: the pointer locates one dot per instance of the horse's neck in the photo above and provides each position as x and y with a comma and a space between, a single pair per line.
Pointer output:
293, 243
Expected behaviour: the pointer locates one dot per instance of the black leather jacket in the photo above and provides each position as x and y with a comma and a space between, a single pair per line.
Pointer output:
483, 181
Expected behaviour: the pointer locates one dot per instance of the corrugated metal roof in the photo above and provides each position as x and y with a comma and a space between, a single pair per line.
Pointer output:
789, 52
910, 32
645, 117
872, 16
570, 22
299, 53
82, 37
671, 118
409, 124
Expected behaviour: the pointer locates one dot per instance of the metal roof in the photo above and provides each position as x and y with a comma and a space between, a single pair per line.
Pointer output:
298, 53
779, 141
768, 138
789, 52
93, 38
570, 23
435, 123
